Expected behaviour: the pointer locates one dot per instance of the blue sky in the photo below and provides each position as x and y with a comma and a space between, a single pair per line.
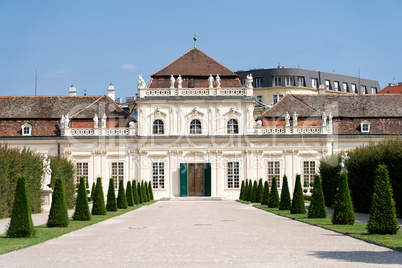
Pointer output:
92, 43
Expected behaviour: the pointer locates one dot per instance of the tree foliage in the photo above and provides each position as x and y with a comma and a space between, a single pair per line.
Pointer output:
82, 212
98, 206
298, 206
111, 203
273, 197
121, 197
317, 207
129, 194
343, 207
285, 203
58, 215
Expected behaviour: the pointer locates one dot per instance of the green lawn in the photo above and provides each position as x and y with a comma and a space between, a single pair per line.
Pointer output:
44, 233
357, 230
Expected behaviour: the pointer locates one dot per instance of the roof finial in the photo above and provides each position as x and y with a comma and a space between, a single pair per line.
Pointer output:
195, 40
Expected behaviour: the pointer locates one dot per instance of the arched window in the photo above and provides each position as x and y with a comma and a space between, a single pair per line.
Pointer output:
233, 126
195, 127
157, 127
26, 129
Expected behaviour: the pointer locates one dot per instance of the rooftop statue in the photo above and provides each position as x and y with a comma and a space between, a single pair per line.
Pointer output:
172, 80
179, 81
141, 83
218, 81
249, 81
96, 121
324, 119
294, 119
211, 81
287, 119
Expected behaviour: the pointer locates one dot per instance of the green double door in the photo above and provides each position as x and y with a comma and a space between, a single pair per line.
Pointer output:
195, 179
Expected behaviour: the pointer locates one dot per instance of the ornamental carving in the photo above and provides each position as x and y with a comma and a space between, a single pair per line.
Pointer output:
158, 114
195, 113
232, 113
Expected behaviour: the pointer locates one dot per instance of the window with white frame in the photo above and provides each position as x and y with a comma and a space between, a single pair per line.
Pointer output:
300, 81
353, 88
233, 174
277, 81
373, 90
289, 81
345, 87
365, 126
117, 173
233, 126
280, 96
363, 89
81, 171
308, 172
258, 82
336, 85
26, 129
274, 170
157, 127
314, 82
195, 126
259, 101
158, 175
274, 99
327, 85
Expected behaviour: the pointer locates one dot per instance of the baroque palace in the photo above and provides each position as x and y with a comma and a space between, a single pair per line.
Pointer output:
196, 133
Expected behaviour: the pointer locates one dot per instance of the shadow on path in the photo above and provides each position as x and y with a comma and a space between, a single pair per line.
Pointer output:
374, 257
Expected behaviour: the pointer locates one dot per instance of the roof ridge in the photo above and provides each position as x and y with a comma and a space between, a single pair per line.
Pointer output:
302, 102
77, 113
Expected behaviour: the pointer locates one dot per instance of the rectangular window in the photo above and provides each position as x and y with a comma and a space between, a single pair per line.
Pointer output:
353, 88
300, 81
327, 85
314, 82
363, 90
158, 175
275, 99
258, 82
345, 87
308, 172
290, 81
233, 176
27, 131
274, 170
259, 101
280, 96
277, 81
373, 90
117, 173
82, 171
336, 85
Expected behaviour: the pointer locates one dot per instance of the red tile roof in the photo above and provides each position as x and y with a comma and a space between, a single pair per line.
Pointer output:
391, 90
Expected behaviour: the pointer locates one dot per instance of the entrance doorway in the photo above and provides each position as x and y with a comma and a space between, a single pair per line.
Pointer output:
195, 179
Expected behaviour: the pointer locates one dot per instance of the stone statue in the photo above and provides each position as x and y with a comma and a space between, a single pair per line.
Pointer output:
62, 122
104, 117
47, 172
218, 81
179, 81
343, 162
131, 124
67, 121
141, 83
211, 81
249, 81
324, 119
330, 119
172, 80
96, 121
287, 119
294, 119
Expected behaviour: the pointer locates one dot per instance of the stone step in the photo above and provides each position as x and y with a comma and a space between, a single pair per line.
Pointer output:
192, 198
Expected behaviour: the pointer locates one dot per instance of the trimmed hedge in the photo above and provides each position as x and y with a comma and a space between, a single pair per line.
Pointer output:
285, 203
260, 191
58, 215
298, 198
93, 191
129, 194
273, 197
81, 212
265, 194
136, 197
98, 206
111, 203
254, 191
241, 195
317, 207
121, 197
343, 208
150, 191
140, 193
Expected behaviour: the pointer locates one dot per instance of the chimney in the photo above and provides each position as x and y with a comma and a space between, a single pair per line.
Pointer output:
111, 92
321, 89
72, 91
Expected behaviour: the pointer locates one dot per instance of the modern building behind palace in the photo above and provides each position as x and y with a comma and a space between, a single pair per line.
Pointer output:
197, 132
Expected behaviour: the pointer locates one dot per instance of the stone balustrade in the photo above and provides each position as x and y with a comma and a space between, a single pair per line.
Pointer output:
88, 132
289, 130
156, 92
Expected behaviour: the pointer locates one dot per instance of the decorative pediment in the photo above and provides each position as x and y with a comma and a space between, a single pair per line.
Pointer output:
232, 113
158, 114
195, 113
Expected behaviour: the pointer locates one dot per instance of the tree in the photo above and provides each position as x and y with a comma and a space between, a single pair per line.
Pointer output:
265, 194
81, 212
121, 197
382, 213
135, 193
93, 191
148, 197
144, 195
260, 191
150, 191
343, 207
21, 221
241, 195
98, 206
111, 203
273, 197
298, 198
246, 191
285, 203
129, 194
317, 207
140, 193
58, 215
254, 190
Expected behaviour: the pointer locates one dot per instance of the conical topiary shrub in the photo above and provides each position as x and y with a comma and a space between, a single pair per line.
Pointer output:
246, 191
111, 203
382, 212
298, 198
135, 193
273, 197
121, 197
129, 194
343, 207
93, 191
144, 191
260, 191
147, 191
265, 194
241, 191
81, 212
254, 192
21, 221
317, 207
140, 193
150, 191
98, 206
58, 215
285, 203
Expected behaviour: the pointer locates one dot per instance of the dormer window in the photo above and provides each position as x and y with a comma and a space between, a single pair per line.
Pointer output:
365, 127
26, 129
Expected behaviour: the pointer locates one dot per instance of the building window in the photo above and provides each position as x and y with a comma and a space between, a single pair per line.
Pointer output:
258, 82
290, 81
327, 85
280, 96
82, 171
336, 85
233, 174
233, 126
117, 173
191, 85
373, 90
363, 89
314, 82
308, 172
274, 170
345, 87
195, 127
259, 101
158, 175
157, 127
353, 88
300, 81
275, 99
365, 127
277, 81
26, 129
